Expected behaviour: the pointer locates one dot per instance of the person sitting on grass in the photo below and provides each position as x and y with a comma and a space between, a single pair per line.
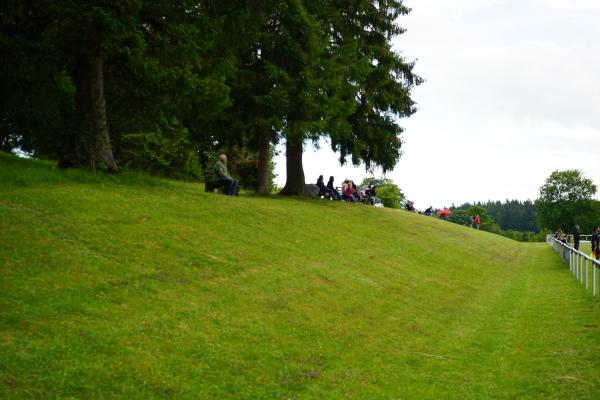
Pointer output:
371, 192
324, 191
333, 193
223, 178
347, 191
355, 192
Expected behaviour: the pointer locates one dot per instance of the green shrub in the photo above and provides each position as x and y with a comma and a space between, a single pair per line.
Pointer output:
165, 152
388, 192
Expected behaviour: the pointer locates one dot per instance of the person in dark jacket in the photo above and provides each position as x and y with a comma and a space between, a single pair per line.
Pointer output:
576, 237
323, 190
332, 191
596, 242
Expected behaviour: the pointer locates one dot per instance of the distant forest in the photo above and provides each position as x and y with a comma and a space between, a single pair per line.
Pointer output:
509, 215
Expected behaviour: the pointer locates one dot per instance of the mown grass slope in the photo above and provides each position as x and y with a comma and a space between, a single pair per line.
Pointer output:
134, 287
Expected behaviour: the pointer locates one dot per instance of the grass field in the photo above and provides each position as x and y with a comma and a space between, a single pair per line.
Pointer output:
133, 287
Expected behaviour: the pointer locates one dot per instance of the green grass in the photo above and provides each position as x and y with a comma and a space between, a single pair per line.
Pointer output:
135, 287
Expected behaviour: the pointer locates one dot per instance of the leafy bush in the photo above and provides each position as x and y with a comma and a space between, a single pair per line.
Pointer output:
166, 152
525, 236
388, 192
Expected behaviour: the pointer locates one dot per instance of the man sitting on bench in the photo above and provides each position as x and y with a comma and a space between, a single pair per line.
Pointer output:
223, 178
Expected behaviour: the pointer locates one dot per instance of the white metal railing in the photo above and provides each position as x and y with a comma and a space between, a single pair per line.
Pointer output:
578, 262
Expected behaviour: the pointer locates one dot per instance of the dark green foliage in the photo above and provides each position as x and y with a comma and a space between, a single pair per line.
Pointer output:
525, 236
509, 215
83, 81
370, 81
506, 211
154, 67
565, 214
513, 215
164, 152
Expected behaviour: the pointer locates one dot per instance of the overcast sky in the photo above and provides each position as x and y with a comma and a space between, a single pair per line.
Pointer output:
512, 93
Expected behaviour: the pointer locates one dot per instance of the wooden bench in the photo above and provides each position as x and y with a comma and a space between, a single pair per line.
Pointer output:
210, 186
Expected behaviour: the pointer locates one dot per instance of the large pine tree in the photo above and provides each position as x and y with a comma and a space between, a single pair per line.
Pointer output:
129, 64
361, 86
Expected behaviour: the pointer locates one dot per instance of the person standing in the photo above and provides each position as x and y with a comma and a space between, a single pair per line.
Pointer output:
576, 237
477, 221
222, 176
596, 242
471, 221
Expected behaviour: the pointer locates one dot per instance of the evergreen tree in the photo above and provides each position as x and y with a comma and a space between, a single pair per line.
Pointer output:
359, 87
141, 60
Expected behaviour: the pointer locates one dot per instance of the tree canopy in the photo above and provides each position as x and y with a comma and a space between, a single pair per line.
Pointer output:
565, 200
162, 85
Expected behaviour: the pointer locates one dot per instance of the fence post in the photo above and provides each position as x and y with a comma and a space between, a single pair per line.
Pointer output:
586, 277
594, 278
570, 263
581, 263
575, 260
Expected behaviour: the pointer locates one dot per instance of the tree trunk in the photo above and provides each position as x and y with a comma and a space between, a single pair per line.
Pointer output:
294, 185
91, 111
263, 186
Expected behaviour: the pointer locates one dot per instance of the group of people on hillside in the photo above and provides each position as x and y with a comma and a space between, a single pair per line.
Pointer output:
349, 192
409, 205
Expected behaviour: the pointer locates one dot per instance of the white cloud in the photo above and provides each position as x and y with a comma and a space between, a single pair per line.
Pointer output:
569, 4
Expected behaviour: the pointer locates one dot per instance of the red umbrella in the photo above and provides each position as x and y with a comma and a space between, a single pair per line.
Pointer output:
444, 212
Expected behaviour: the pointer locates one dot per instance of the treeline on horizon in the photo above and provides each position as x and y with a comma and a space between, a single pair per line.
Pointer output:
163, 86
565, 200
509, 215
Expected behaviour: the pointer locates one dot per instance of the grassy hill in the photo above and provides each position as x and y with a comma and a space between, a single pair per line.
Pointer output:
133, 287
